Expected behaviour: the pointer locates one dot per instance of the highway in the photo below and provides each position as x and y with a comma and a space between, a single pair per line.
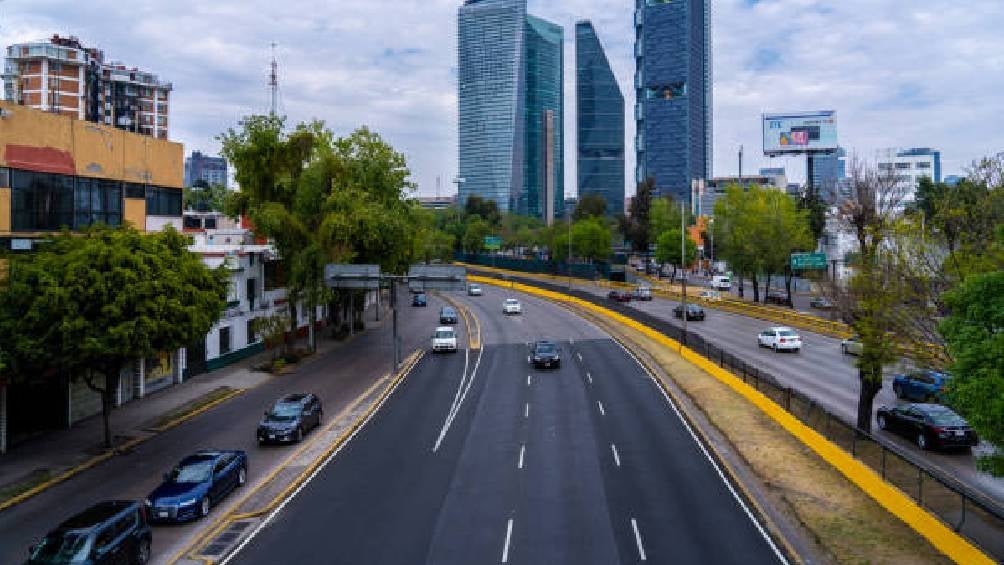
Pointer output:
477, 458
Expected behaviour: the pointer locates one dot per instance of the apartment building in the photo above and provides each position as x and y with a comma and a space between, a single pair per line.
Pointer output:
909, 166
62, 76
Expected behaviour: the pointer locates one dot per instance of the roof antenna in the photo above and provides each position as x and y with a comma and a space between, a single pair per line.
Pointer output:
273, 81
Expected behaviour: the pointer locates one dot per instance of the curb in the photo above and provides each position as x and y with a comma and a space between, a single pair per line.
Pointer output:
471, 321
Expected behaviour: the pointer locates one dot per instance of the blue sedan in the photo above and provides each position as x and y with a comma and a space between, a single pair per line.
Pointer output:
197, 483
922, 386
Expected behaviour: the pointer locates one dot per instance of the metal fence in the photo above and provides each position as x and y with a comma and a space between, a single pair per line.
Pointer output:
587, 271
972, 514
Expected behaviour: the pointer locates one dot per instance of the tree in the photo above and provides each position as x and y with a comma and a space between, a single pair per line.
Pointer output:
637, 227
92, 304
667, 250
486, 209
590, 206
815, 210
591, 239
272, 329
475, 234
202, 197
665, 215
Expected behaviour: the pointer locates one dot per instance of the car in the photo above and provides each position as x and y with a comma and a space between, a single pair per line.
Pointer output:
710, 296
113, 531
851, 346
197, 483
511, 306
778, 297
780, 338
921, 385
473, 290
448, 315
445, 339
545, 354
290, 418
931, 426
419, 300
619, 295
694, 312
642, 293
820, 303
721, 282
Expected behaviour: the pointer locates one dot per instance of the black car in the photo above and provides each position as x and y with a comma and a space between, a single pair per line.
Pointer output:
619, 296
545, 355
447, 315
778, 297
115, 531
290, 418
821, 303
932, 426
694, 312
419, 300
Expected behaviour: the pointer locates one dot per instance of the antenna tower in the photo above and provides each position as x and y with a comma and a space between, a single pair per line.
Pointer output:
273, 82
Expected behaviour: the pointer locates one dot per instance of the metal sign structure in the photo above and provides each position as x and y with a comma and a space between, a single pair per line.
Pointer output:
808, 261
364, 277
437, 277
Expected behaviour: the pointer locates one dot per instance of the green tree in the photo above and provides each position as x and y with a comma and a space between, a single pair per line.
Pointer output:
474, 235
667, 250
665, 215
202, 197
92, 304
591, 239
636, 226
484, 208
590, 206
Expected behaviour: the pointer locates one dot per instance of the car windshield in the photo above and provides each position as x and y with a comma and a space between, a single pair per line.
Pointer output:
193, 472
511, 302
787, 333
284, 412
444, 334
63, 547
448, 312
945, 418
545, 348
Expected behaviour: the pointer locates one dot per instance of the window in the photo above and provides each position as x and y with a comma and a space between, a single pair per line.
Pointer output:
4, 177
97, 201
135, 190
224, 341
191, 223
923, 165
252, 292
667, 92
41, 201
163, 201
885, 166
902, 166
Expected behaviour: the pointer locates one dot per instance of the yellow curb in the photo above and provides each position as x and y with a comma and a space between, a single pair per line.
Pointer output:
471, 321
954, 546
227, 519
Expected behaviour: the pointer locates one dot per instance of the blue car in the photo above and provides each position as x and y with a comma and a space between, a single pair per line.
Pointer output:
196, 484
922, 386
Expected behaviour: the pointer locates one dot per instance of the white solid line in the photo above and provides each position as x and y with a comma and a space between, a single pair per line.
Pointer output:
456, 409
602, 411
522, 450
589, 376
637, 540
526, 410
617, 457
508, 536
528, 380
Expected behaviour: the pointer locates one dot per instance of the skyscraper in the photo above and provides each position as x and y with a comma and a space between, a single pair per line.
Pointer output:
599, 121
211, 170
510, 107
674, 91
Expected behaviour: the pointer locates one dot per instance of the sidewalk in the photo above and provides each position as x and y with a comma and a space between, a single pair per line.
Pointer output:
59, 451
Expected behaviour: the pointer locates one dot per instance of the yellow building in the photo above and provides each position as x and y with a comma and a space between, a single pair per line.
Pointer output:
58, 172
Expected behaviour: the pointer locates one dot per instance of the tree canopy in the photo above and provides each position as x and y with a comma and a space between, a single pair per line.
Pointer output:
590, 206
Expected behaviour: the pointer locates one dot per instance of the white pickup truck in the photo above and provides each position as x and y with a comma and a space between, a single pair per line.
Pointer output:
721, 282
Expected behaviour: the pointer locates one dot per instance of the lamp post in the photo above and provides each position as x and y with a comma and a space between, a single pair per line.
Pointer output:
568, 261
711, 231
683, 272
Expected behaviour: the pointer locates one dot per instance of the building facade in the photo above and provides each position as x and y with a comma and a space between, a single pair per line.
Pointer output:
543, 195
909, 166
62, 76
673, 86
202, 167
599, 121
825, 171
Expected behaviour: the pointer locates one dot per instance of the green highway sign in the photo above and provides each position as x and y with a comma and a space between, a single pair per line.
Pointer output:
493, 243
808, 261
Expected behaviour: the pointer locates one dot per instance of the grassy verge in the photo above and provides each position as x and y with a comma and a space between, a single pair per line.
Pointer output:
24, 485
191, 407
847, 524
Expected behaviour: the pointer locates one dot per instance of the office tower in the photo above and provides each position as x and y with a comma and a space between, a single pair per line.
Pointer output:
211, 170
544, 193
910, 165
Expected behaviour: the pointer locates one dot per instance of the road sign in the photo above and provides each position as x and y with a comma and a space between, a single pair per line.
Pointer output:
493, 242
352, 276
437, 277
808, 261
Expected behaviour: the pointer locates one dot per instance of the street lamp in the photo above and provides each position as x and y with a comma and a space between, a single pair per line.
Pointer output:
568, 261
711, 232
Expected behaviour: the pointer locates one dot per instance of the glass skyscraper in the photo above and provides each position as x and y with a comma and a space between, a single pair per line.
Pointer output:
510, 121
674, 90
600, 121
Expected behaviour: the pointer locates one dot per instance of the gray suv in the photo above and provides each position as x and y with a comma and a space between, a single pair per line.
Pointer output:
114, 531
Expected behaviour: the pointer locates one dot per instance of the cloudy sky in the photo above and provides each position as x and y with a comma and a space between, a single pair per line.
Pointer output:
900, 73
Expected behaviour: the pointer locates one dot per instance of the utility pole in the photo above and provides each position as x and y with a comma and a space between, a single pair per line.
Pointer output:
741, 167
273, 83
683, 272
568, 263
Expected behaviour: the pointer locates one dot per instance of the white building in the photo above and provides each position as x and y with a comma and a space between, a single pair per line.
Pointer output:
909, 166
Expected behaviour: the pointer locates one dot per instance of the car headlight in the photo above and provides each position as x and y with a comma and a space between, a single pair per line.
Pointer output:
147, 502
188, 502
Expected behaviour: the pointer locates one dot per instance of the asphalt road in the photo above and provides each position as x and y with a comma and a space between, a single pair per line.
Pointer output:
820, 371
337, 378
500, 463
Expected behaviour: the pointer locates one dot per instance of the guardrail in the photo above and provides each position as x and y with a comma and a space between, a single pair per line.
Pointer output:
968, 512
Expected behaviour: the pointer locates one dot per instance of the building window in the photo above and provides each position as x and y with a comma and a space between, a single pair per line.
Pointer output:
190, 223
98, 201
252, 292
4, 177
135, 190
667, 91
885, 166
163, 201
41, 201
902, 166
923, 165
210, 223
224, 341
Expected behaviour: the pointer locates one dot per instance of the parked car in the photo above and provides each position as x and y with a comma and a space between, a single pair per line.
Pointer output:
197, 483
931, 426
642, 293
114, 531
445, 339
923, 386
619, 295
473, 290
694, 312
821, 303
290, 418
780, 339
710, 296
448, 315
545, 354
419, 300
778, 297
851, 346
511, 306
721, 282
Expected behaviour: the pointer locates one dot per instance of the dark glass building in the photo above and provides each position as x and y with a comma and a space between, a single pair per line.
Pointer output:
599, 121
544, 192
674, 93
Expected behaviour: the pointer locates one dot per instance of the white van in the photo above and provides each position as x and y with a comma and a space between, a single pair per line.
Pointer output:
721, 282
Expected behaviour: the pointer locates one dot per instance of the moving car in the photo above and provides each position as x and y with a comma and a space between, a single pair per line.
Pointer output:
114, 531
820, 303
290, 418
923, 386
419, 300
619, 295
778, 297
721, 282
511, 306
545, 354
932, 426
448, 315
642, 293
694, 312
197, 483
473, 290
710, 295
780, 338
445, 339
851, 346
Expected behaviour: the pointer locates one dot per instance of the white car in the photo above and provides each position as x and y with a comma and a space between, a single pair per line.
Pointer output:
851, 346
721, 283
511, 306
473, 290
780, 339
445, 339
710, 295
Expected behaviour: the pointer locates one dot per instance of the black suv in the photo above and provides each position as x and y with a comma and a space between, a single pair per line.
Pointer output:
290, 418
447, 315
545, 355
115, 531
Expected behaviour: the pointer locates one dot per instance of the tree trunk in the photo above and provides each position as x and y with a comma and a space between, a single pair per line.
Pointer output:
113, 374
767, 288
788, 275
756, 288
311, 334
870, 388
742, 288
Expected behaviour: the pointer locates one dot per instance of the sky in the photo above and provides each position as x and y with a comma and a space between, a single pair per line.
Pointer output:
899, 73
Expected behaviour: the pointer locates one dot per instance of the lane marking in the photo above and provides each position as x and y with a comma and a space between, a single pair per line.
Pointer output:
571, 341
456, 409
522, 450
602, 411
508, 536
528, 380
526, 410
589, 377
579, 355
617, 457
637, 540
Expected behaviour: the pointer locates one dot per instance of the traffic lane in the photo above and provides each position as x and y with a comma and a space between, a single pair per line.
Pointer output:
336, 379
656, 473
377, 501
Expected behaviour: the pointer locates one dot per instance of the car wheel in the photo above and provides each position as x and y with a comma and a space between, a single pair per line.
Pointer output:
143, 551
299, 435
242, 477
204, 507
898, 391
922, 441
881, 421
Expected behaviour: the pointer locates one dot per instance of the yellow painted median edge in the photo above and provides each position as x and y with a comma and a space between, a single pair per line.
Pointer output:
954, 546
471, 322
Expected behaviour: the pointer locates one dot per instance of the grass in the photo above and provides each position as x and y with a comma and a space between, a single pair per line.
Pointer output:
34, 479
191, 407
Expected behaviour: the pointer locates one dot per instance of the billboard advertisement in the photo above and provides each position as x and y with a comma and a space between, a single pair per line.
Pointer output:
799, 132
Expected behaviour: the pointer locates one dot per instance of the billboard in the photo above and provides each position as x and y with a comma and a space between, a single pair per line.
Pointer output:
799, 132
